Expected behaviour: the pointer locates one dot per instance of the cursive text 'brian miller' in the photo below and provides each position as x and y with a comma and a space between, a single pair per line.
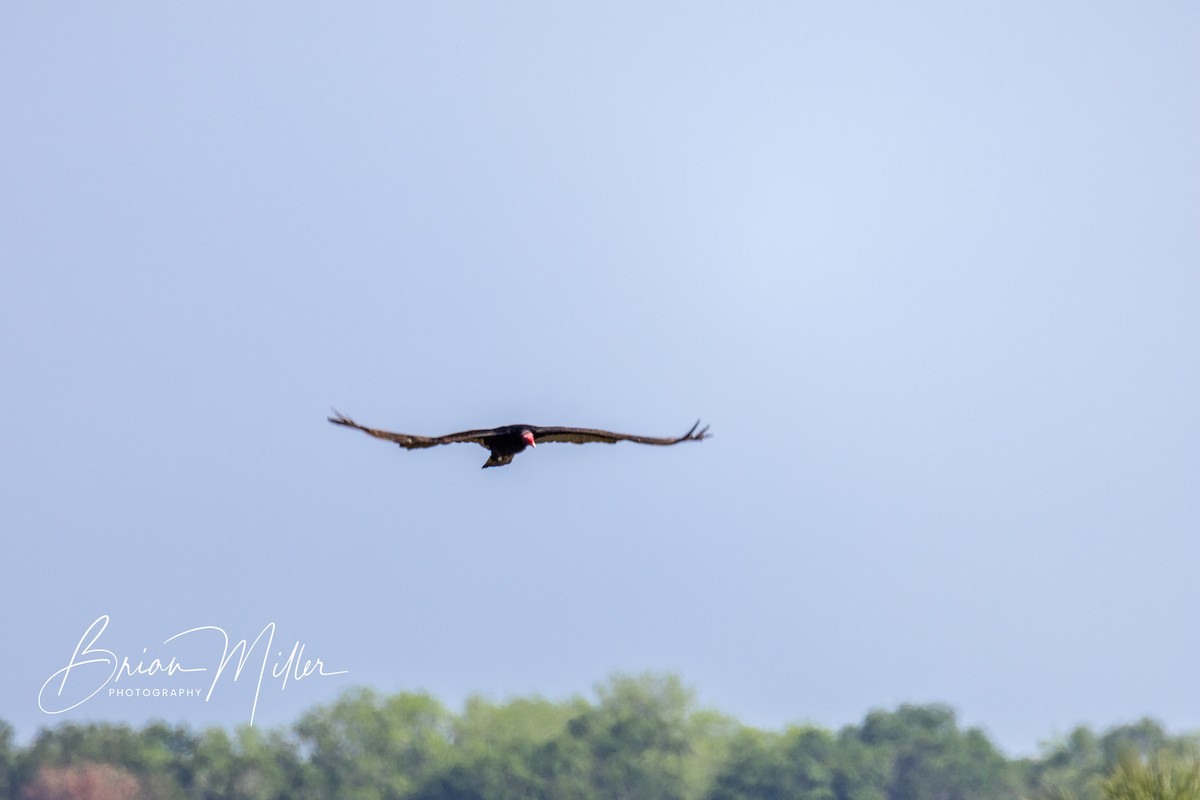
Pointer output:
92, 667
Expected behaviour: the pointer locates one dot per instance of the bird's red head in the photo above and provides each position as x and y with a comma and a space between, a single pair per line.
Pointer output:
528, 437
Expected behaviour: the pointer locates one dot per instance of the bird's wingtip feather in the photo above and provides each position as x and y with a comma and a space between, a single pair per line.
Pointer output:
339, 418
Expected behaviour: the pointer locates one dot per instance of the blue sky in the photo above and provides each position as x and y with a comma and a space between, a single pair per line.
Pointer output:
930, 272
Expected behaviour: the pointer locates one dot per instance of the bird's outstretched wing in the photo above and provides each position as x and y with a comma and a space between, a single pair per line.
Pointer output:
584, 435
416, 442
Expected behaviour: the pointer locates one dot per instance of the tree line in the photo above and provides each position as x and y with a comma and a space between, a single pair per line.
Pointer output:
641, 738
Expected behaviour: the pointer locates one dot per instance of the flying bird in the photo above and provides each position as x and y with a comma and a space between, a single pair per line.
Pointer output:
506, 442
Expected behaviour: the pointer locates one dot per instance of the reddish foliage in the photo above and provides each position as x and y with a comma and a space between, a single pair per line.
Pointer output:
83, 782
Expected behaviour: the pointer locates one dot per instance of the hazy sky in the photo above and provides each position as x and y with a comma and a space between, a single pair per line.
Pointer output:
932, 273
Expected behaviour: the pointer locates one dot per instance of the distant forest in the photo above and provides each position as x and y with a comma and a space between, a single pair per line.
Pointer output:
641, 738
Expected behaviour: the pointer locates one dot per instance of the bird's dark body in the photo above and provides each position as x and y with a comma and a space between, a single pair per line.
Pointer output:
506, 442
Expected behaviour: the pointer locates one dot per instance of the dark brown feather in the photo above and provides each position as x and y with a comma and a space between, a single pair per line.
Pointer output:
412, 442
585, 435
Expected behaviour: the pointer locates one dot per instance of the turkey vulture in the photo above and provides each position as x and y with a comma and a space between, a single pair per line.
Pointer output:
506, 442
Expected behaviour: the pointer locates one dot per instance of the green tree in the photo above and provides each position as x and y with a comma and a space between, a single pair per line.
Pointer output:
1073, 766
258, 765
862, 771
1159, 778
1145, 739
641, 737
8, 761
638, 737
1078, 766
711, 735
366, 747
213, 767
495, 750
564, 764
158, 755
931, 759
798, 764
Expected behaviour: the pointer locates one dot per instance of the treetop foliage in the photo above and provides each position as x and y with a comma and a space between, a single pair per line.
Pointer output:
642, 738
